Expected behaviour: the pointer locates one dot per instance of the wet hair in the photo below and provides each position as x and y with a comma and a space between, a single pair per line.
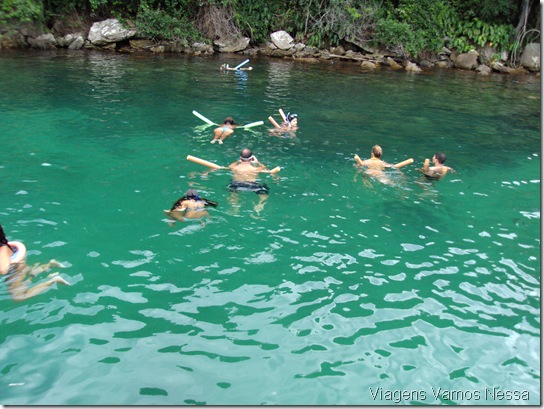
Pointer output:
440, 157
291, 116
192, 194
377, 151
3, 239
246, 154
229, 120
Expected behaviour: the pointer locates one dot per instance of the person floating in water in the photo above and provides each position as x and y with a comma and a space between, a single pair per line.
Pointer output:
16, 271
438, 170
245, 172
288, 126
190, 206
223, 131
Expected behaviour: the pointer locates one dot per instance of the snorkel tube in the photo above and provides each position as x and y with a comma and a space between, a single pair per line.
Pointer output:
19, 253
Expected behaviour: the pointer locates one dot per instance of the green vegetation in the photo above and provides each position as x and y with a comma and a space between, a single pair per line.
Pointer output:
409, 27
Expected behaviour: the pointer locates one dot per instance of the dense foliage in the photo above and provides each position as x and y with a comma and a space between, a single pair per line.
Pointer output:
409, 27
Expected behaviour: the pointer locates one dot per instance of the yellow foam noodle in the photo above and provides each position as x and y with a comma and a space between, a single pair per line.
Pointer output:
204, 162
404, 163
273, 122
358, 160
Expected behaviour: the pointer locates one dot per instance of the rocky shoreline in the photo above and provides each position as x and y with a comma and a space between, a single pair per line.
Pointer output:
110, 35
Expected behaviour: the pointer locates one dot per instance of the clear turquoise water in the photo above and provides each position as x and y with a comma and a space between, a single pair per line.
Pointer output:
338, 292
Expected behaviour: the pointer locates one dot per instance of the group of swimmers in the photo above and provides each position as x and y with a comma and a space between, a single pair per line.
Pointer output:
247, 168
245, 171
226, 129
375, 166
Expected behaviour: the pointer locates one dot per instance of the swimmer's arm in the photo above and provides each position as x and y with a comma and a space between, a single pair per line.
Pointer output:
233, 164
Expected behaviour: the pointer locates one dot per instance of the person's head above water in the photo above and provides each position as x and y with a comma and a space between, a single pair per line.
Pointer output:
292, 118
229, 121
246, 155
377, 151
192, 194
440, 157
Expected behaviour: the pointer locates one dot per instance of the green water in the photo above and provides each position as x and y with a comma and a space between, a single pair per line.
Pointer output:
337, 292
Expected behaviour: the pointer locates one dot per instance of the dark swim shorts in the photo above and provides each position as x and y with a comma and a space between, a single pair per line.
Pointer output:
248, 186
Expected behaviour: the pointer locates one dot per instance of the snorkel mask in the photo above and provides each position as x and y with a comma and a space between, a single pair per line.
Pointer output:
291, 116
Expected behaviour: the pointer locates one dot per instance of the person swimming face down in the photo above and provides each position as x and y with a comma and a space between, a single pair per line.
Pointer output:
192, 194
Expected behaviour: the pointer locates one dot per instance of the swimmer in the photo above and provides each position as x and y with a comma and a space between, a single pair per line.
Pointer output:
291, 121
289, 125
226, 67
245, 172
375, 165
224, 131
15, 269
439, 170
190, 206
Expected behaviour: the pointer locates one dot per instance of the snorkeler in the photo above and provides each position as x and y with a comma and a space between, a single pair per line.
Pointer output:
190, 206
289, 124
223, 131
15, 269
245, 172
439, 170
291, 121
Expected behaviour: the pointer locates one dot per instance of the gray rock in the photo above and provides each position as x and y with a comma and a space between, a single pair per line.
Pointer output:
232, 45
467, 61
484, 69
77, 44
282, 40
530, 58
43, 42
109, 31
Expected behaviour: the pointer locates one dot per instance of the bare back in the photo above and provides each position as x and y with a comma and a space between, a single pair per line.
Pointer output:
246, 172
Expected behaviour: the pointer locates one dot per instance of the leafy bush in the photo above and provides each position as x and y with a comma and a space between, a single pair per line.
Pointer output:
414, 26
466, 35
344, 20
257, 18
157, 24
20, 11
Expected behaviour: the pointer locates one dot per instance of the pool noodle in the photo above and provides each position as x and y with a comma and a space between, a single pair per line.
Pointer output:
273, 122
359, 161
204, 162
404, 163
203, 118
252, 124
282, 115
239, 65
